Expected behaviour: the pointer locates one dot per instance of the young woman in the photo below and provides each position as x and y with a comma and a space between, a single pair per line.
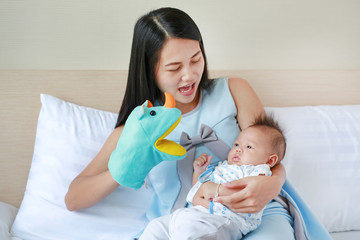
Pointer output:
168, 55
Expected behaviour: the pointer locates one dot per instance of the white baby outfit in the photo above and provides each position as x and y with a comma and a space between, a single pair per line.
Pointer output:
226, 173
217, 222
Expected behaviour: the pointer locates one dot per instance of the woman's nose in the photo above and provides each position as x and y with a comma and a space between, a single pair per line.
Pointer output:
186, 74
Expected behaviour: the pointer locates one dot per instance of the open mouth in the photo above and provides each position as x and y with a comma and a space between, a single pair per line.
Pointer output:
187, 88
168, 146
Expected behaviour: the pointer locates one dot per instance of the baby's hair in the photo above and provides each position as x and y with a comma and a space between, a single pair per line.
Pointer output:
278, 140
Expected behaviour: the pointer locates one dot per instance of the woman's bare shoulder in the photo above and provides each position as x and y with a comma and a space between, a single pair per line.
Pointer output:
238, 84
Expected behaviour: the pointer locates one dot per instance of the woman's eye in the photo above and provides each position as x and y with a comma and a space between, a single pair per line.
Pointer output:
196, 60
174, 68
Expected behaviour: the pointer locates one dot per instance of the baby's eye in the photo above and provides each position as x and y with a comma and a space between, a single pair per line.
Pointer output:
236, 145
249, 147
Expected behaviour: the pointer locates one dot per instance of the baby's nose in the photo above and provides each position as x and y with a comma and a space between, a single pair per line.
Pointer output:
238, 150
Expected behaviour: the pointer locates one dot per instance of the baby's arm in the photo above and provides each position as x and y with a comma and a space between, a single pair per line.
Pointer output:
200, 165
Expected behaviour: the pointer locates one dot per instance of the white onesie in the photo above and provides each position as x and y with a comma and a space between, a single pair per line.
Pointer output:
223, 173
217, 222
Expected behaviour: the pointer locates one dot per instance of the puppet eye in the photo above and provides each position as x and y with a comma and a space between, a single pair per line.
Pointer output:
152, 113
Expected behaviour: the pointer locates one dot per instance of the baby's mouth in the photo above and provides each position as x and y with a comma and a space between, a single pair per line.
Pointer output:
236, 159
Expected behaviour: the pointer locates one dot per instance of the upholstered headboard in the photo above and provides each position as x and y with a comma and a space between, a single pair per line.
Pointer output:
104, 89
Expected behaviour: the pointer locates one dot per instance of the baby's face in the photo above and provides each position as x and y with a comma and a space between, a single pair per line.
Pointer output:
251, 147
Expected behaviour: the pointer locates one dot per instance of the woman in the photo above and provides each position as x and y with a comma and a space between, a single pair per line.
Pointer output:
168, 55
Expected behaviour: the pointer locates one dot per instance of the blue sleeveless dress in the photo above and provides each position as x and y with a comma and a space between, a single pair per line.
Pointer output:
171, 180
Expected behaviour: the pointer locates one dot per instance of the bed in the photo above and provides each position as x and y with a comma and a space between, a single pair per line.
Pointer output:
320, 111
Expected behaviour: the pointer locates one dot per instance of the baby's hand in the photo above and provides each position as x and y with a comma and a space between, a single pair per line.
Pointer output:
202, 162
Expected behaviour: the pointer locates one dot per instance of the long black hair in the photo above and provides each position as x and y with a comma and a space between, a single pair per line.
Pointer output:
150, 33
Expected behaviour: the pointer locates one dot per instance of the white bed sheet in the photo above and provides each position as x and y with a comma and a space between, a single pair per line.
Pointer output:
8, 213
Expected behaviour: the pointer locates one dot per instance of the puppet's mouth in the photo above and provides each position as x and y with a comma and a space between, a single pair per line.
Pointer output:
167, 146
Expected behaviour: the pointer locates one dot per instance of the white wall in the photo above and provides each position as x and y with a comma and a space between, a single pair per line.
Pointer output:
238, 34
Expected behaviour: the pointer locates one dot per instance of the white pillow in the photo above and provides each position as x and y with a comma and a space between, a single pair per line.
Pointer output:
7, 216
323, 160
67, 139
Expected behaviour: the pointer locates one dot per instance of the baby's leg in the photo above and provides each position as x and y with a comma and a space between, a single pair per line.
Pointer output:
157, 228
198, 223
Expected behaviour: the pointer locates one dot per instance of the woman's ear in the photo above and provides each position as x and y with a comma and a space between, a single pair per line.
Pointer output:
272, 160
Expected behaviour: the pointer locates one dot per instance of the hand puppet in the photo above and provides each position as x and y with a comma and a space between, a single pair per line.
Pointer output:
142, 144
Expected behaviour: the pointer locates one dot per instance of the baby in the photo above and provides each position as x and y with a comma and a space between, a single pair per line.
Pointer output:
256, 150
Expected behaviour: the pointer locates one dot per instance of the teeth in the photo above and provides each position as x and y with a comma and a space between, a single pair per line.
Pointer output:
186, 88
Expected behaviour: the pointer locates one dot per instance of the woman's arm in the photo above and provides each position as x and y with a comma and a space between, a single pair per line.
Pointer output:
247, 103
95, 182
247, 195
251, 194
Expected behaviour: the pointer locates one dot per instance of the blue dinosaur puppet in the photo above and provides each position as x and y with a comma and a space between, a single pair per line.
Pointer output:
142, 146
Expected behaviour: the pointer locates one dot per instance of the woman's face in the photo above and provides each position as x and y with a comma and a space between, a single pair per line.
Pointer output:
179, 71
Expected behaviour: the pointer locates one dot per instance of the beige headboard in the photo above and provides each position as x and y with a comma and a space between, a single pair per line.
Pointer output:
103, 89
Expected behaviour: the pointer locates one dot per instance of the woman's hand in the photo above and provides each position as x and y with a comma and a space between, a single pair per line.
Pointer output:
251, 194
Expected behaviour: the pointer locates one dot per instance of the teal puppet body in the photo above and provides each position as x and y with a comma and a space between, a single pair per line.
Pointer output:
142, 146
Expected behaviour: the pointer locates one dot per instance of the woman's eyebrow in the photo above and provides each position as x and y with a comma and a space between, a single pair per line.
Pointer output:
177, 63
196, 54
